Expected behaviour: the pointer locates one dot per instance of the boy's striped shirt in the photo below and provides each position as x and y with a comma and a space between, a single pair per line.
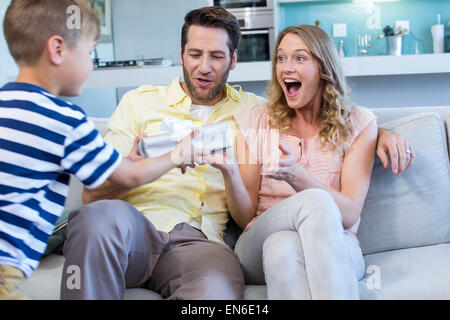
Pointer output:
42, 141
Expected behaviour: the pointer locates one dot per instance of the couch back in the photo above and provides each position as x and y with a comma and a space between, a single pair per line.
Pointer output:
400, 212
413, 209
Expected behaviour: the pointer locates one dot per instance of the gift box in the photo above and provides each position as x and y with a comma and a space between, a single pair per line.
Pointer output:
212, 138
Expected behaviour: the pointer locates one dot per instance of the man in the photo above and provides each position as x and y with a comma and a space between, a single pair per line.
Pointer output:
168, 235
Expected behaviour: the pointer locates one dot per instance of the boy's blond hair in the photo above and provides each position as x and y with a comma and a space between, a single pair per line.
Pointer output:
28, 25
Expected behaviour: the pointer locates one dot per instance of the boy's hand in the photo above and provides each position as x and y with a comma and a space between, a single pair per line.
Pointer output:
134, 154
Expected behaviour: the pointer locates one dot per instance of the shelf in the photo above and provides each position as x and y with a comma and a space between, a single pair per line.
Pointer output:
261, 71
134, 77
396, 65
294, 1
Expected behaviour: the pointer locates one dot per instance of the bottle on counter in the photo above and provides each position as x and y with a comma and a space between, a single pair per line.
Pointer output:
447, 38
437, 33
341, 48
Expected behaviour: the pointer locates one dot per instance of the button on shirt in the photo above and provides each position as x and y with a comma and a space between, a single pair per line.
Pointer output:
199, 194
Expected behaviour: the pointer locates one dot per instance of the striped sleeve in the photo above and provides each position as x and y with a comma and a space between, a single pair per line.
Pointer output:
87, 156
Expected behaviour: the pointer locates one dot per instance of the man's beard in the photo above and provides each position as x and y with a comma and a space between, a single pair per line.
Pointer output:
213, 92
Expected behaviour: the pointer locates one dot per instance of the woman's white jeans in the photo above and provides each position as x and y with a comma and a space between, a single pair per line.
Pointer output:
300, 250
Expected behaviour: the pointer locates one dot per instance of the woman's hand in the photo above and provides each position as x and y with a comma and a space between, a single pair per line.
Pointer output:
225, 160
289, 170
185, 155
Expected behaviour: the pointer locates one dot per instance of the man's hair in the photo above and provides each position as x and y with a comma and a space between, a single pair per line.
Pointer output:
212, 17
28, 25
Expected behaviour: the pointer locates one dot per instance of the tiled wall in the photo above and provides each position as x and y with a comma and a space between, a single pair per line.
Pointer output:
370, 18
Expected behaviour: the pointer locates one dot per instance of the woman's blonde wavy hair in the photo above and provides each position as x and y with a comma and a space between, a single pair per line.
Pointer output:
335, 111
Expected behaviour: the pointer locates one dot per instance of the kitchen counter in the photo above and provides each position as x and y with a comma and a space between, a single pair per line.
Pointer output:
396, 65
261, 71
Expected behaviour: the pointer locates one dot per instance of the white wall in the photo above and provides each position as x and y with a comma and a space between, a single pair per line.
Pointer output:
400, 91
419, 90
141, 29
95, 102
8, 68
151, 29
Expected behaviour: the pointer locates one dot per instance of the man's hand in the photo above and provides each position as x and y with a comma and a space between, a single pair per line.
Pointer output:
399, 149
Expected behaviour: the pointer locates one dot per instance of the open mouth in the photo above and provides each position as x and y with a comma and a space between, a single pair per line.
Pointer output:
292, 86
203, 82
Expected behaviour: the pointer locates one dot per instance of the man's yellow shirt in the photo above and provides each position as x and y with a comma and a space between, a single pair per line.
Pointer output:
199, 194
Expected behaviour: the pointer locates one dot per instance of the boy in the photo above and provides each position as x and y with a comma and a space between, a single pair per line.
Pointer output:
43, 139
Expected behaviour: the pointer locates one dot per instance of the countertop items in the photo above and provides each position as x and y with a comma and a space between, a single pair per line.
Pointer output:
437, 33
341, 49
261, 71
393, 40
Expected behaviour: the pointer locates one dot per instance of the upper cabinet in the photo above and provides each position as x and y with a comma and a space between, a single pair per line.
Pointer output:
360, 22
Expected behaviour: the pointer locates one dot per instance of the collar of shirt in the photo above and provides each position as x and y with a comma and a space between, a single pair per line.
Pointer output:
23, 86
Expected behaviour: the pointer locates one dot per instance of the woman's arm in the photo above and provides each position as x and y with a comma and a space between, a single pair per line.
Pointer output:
355, 175
242, 180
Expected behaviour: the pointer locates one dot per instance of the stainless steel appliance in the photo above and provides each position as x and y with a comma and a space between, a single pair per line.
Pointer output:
258, 36
257, 26
253, 5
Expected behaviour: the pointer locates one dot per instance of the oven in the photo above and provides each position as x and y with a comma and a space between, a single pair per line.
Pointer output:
239, 5
257, 27
257, 36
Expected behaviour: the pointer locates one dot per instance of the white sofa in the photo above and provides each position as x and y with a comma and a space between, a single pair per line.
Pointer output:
405, 226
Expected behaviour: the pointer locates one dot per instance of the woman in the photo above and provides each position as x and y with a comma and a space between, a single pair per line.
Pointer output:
305, 160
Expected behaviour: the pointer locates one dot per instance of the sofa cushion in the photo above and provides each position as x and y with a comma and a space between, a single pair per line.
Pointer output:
45, 283
415, 273
413, 209
447, 127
